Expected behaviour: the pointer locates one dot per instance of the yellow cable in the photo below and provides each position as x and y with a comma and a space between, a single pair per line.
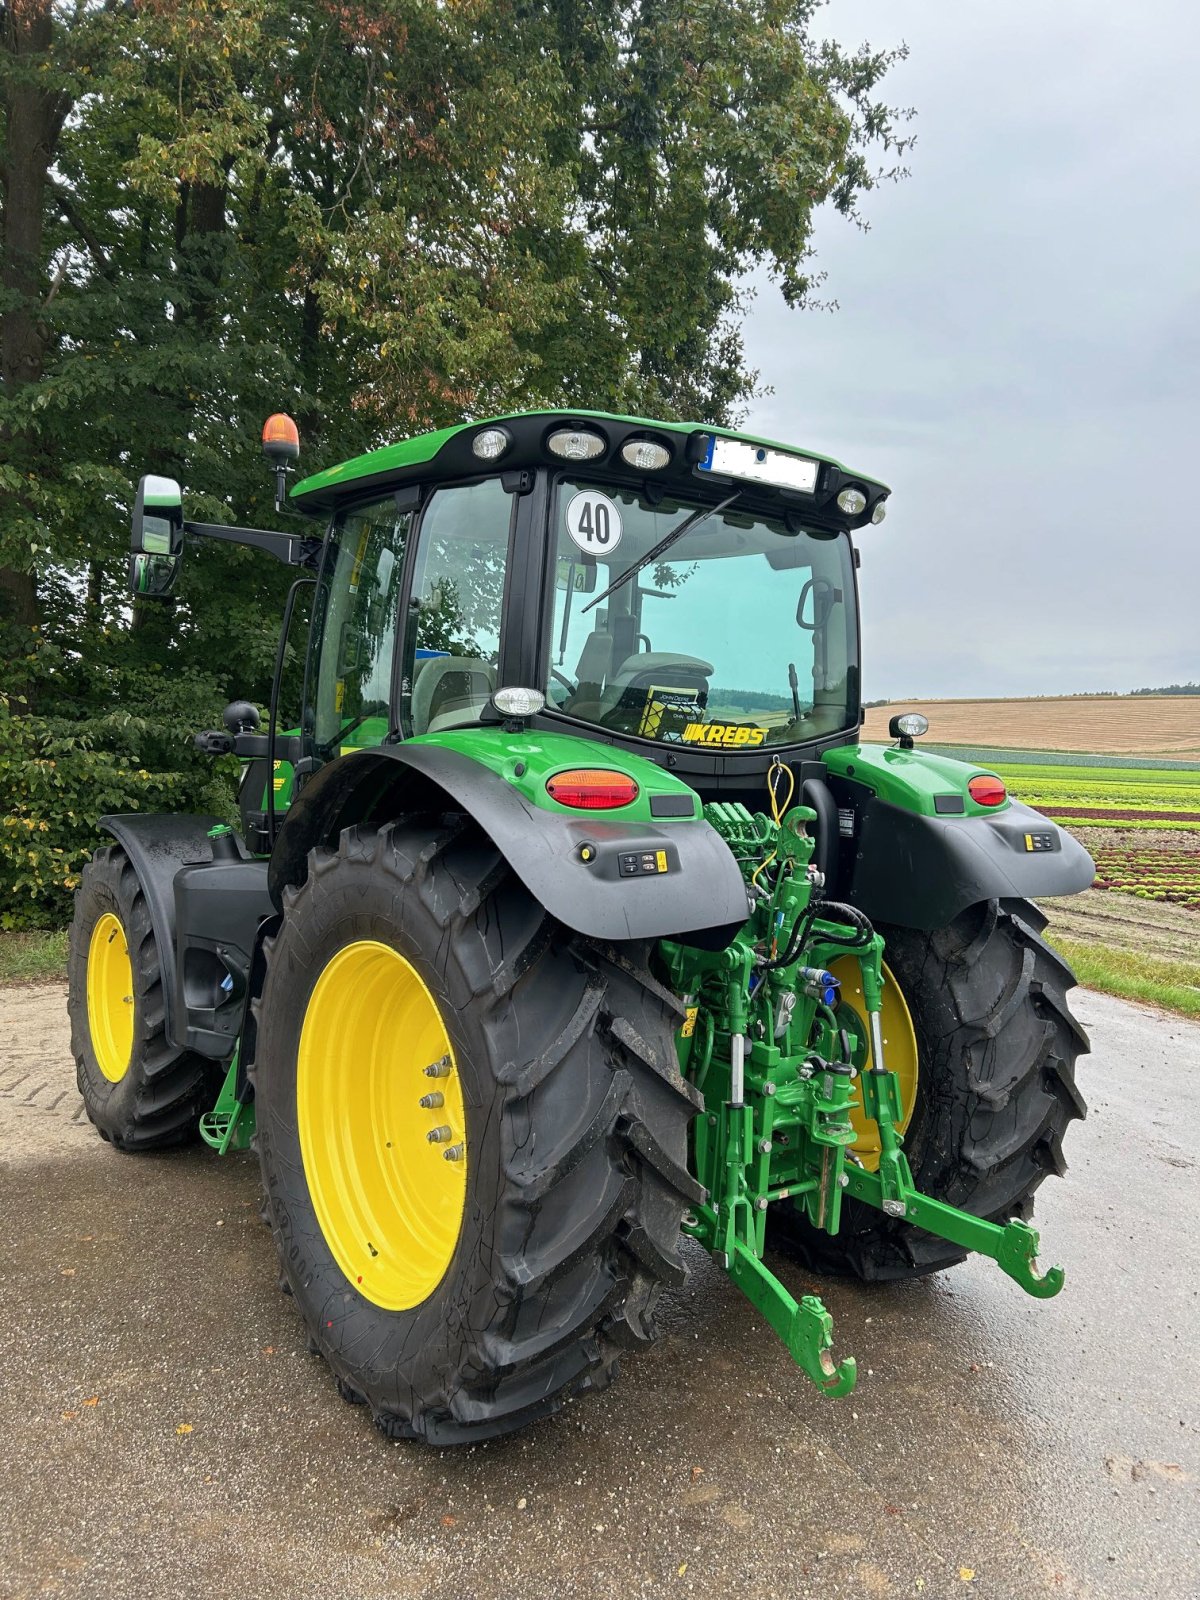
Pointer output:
761, 867
778, 811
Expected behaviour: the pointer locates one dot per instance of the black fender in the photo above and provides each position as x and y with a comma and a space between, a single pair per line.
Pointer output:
157, 846
570, 863
921, 872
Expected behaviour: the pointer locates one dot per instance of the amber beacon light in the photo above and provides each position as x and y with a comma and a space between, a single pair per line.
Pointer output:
281, 446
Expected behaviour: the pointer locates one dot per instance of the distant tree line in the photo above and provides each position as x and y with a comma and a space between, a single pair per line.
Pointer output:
1171, 688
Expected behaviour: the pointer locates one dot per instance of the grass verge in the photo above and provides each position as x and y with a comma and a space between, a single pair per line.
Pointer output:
27, 957
1158, 980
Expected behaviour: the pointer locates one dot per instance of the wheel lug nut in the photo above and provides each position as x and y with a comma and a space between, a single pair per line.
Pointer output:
441, 1135
432, 1101
439, 1069
456, 1152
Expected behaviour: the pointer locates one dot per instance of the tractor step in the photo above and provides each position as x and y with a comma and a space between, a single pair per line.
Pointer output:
230, 1123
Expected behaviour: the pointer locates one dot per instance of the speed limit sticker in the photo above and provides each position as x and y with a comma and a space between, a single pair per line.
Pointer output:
594, 522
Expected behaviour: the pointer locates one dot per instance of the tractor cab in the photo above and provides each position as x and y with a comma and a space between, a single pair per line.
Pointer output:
683, 592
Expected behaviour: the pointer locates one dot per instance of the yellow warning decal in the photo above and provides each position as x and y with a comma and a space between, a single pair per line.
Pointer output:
723, 733
1029, 841
660, 860
689, 1022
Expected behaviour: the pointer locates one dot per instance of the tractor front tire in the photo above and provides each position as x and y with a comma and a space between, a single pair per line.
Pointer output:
464, 1266
996, 1092
139, 1091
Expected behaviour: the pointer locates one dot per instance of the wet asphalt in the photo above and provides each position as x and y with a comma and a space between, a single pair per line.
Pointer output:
163, 1431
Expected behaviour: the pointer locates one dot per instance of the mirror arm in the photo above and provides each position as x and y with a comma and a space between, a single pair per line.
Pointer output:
292, 549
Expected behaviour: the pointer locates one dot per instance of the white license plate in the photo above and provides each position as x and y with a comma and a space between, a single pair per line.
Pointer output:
733, 458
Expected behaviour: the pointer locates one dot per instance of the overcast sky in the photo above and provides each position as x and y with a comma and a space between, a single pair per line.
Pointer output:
1016, 349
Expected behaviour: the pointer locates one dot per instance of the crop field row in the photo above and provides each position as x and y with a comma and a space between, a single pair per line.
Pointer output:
1172, 876
1109, 796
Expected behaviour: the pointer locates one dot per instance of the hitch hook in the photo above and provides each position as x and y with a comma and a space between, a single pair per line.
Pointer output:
1017, 1256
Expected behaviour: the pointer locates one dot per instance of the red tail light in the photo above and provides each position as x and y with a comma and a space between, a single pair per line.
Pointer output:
986, 790
591, 789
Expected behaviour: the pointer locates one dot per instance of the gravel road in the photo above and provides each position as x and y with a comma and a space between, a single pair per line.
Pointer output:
164, 1433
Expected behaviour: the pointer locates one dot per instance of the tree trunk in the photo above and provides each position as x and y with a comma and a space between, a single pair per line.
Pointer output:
32, 120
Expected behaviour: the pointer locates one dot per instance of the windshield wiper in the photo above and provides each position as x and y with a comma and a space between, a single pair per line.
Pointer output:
665, 543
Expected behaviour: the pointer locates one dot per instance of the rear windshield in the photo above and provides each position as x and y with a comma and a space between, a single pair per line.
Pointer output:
740, 635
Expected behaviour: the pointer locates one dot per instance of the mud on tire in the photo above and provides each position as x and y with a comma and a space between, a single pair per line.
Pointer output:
577, 1122
158, 1101
997, 1046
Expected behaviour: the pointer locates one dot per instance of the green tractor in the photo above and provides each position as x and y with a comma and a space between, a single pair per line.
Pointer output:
571, 920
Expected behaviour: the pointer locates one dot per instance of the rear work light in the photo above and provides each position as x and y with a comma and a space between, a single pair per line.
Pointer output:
592, 789
987, 790
576, 444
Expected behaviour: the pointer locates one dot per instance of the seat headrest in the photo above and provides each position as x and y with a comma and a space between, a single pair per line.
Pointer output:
596, 658
436, 669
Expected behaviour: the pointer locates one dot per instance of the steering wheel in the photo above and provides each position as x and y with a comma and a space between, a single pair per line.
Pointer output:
572, 688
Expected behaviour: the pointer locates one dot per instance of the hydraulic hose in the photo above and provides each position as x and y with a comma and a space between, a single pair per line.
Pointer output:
837, 911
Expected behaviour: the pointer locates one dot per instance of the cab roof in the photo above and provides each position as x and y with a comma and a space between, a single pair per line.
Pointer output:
446, 454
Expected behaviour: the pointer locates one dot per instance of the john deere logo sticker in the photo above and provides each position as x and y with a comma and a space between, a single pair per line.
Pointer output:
723, 733
594, 522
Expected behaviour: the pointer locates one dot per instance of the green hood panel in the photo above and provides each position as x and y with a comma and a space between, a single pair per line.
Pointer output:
910, 779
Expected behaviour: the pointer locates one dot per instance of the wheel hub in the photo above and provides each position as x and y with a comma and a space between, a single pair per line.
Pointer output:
110, 1006
382, 1127
900, 1042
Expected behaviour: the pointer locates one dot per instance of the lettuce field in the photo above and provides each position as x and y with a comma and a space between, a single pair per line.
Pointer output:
1142, 825
1119, 797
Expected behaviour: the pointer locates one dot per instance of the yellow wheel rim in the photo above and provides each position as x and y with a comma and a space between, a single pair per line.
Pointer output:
900, 1051
387, 1175
110, 997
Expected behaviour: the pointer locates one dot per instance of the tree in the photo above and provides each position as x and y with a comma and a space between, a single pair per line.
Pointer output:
382, 217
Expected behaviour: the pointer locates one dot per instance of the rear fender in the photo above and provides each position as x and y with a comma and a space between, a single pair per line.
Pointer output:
571, 863
920, 871
157, 846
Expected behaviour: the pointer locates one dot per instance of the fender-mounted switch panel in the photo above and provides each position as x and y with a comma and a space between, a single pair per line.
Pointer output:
1040, 841
647, 863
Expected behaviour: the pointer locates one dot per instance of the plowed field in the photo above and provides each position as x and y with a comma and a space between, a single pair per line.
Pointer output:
1166, 725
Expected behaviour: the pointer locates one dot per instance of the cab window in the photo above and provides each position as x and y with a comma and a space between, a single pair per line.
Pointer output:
452, 647
361, 584
739, 633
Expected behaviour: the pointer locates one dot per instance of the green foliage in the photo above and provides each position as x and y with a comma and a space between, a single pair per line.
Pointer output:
61, 774
381, 218
33, 957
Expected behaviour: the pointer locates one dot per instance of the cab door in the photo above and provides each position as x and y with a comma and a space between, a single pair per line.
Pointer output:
355, 626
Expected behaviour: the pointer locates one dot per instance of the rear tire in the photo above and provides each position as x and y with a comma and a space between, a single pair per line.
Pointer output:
576, 1121
151, 1096
996, 1092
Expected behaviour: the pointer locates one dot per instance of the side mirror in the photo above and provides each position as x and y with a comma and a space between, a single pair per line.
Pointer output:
157, 537
153, 577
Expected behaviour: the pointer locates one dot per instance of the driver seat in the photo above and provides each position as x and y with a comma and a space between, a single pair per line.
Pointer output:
449, 683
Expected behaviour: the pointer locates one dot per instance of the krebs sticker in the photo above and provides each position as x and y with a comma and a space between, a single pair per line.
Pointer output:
594, 522
723, 733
